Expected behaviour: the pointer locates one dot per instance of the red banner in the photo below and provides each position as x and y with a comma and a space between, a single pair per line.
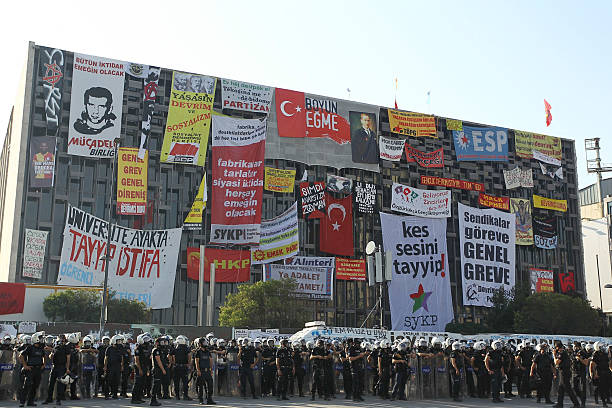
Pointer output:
499, 203
12, 296
567, 282
433, 159
350, 269
452, 183
237, 180
230, 265
336, 229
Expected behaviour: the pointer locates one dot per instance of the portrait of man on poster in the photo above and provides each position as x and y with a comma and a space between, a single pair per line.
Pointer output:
98, 113
364, 145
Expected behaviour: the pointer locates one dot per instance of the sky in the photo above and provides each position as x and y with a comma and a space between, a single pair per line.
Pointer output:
490, 62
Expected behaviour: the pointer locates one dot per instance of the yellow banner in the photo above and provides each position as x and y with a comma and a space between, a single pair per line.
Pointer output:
280, 181
521, 207
193, 221
412, 124
454, 124
527, 142
549, 203
188, 123
131, 182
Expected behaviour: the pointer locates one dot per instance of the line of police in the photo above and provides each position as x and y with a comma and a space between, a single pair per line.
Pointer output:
486, 369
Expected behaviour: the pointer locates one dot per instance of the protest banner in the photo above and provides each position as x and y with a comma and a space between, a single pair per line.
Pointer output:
42, 164
412, 124
193, 221
313, 282
521, 207
364, 195
350, 269
487, 238
391, 149
423, 203
96, 106
318, 130
142, 266
518, 178
452, 183
567, 283
433, 159
454, 124
499, 203
540, 147
51, 71
551, 171
541, 280
481, 144
545, 231
34, 249
338, 184
419, 292
230, 265
188, 122
278, 238
245, 96
279, 181
549, 203
237, 179
12, 297
313, 199
131, 182
149, 96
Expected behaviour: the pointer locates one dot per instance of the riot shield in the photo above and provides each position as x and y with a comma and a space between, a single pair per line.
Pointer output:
87, 373
43, 389
257, 378
338, 376
426, 372
369, 374
233, 375
222, 375
413, 385
17, 378
6, 374
307, 376
441, 377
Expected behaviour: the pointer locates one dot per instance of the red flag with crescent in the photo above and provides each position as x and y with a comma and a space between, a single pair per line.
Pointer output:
290, 113
336, 229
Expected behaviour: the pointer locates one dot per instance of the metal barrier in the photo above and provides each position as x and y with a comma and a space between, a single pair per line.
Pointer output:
413, 382
7, 365
88, 373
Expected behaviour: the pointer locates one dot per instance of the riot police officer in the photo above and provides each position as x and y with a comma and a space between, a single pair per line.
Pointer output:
508, 363
268, 362
101, 356
400, 361
180, 357
297, 355
113, 365
599, 368
563, 364
356, 357
457, 366
284, 367
523, 360
346, 370
159, 360
126, 367
32, 359
60, 357
543, 364
247, 357
88, 357
142, 367
493, 363
222, 368
579, 363
203, 366
317, 357
385, 358
73, 342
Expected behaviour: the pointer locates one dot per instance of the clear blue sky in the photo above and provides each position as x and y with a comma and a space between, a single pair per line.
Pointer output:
486, 61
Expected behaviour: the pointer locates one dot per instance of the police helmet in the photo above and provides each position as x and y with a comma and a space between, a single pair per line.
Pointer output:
320, 343
87, 339
422, 342
479, 345
270, 342
256, 343
385, 343
245, 342
181, 340
220, 343
203, 341
117, 339
456, 346
26, 339
447, 342
588, 347
210, 336
598, 345
66, 379
310, 344
296, 345
284, 342
72, 338
402, 346
435, 341
38, 337
106, 339
6, 339
470, 343
336, 344
49, 340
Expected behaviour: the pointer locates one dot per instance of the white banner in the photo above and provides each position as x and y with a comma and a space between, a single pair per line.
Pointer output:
314, 275
487, 239
545, 158
518, 178
34, 253
96, 106
142, 266
245, 96
278, 238
419, 292
422, 203
391, 149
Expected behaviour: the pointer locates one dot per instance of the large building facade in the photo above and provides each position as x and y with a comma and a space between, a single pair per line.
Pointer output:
86, 184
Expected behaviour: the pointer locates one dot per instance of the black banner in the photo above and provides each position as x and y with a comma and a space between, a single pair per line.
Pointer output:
313, 199
148, 102
42, 161
545, 231
51, 70
365, 197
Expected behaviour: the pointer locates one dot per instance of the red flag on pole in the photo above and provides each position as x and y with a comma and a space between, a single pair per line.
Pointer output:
336, 229
396, 94
547, 108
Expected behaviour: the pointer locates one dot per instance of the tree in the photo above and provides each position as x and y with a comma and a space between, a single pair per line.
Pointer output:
555, 313
500, 317
263, 304
83, 305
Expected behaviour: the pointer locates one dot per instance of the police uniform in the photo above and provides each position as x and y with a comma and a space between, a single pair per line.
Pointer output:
544, 364
495, 365
318, 369
525, 357
114, 358
285, 366
247, 358
222, 368
102, 383
88, 354
181, 370
357, 371
579, 373
158, 372
401, 374
469, 370
125, 374
602, 370
74, 368
298, 366
33, 355
455, 373
385, 358
346, 374
565, 385
269, 370
328, 376
508, 364
60, 359
142, 353
203, 357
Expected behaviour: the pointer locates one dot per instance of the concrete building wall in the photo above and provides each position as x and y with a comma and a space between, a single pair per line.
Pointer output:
596, 238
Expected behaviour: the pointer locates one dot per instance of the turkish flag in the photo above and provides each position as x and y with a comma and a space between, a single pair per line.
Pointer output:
336, 229
290, 113
547, 109
12, 297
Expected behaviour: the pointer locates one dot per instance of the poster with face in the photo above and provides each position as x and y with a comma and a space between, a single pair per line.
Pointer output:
96, 106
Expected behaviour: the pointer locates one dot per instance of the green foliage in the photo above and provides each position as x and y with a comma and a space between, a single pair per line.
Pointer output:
84, 306
555, 313
500, 317
466, 328
263, 304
